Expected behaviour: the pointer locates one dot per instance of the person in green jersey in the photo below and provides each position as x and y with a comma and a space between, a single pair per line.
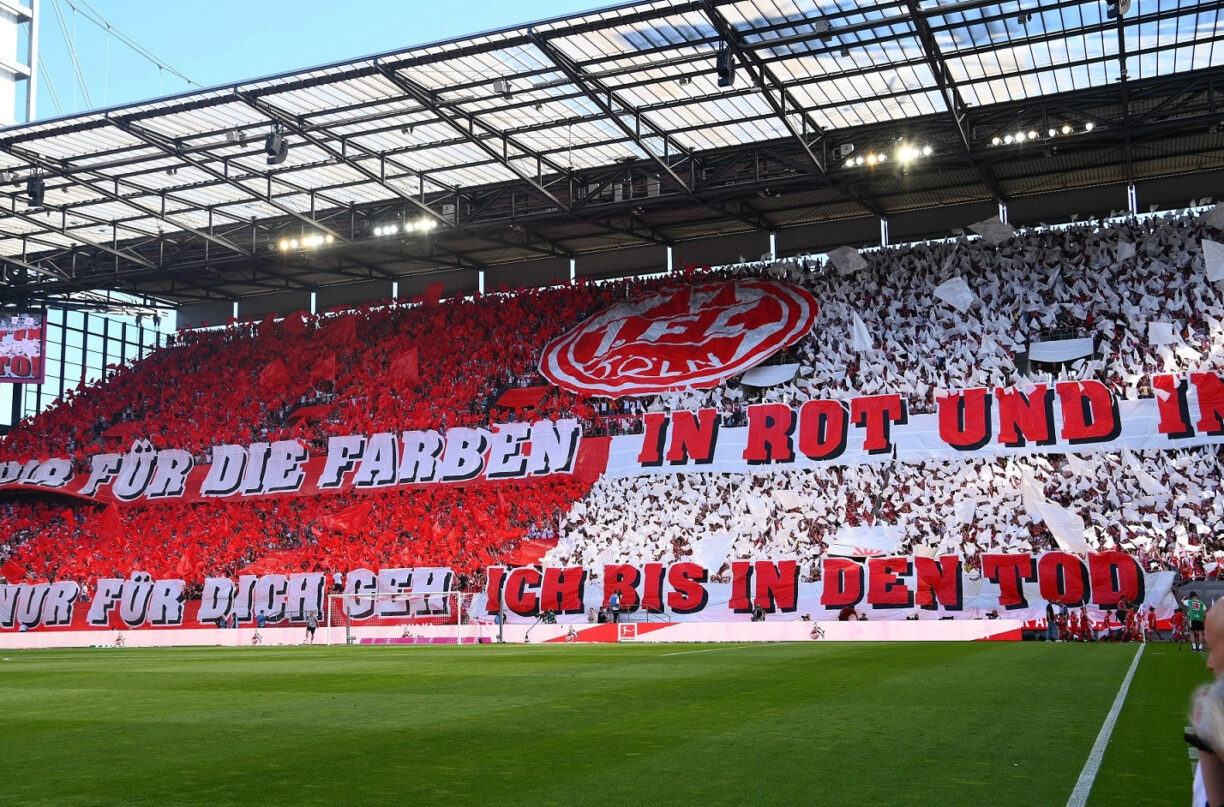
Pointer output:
1196, 612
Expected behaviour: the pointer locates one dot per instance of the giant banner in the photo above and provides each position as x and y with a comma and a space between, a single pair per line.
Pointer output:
23, 340
1058, 418
1011, 586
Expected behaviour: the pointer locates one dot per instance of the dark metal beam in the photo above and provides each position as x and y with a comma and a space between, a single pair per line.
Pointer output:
957, 108
290, 122
52, 167
616, 109
768, 84
172, 149
64, 231
447, 114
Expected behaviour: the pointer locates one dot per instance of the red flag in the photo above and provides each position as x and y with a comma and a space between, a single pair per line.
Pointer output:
405, 368
324, 369
295, 323
274, 377
350, 519
110, 526
433, 294
69, 518
186, 561
12, 572
344, 332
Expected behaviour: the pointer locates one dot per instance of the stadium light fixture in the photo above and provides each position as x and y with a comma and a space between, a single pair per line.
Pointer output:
276, 147
36, 191
311, 241
725, 66
420, 225
1052, 132
907, 154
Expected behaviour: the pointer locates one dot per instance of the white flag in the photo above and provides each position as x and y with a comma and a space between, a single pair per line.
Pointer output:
1125, 250
1066, 527
993, 230
1079, 466
865, 541
1215, 217
1161, 333
860, 337
847, 260
1148, 482
1213, 257
956, 293
711, 551
788, 499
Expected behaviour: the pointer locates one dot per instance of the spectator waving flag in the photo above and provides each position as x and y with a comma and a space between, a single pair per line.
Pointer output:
110, 526
433, 294
186, 562
350, 519
324, 369
956, 293
344, 332
1213, 260
860, 337
274, 377
405, 368
295, 323
12, 572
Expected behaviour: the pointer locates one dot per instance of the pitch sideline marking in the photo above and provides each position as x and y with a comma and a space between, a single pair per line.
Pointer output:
716, 649
1079, 796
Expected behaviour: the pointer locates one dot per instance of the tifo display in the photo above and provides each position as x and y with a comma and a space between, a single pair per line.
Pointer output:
764, 442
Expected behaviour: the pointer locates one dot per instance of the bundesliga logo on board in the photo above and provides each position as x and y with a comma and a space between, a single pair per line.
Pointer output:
691, 336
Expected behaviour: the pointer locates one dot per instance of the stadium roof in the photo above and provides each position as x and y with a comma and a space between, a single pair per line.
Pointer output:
518, 150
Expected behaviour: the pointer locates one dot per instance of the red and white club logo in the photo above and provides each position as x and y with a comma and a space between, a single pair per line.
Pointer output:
680, 336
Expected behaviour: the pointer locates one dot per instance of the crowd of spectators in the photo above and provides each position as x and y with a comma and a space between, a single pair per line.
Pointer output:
437, 365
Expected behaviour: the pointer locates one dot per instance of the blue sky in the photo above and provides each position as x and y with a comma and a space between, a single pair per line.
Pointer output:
215, 42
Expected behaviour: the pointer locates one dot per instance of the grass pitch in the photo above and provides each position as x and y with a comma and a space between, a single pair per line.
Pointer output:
780, 724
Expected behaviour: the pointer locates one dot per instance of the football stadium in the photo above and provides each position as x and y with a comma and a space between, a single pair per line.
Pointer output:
728, 402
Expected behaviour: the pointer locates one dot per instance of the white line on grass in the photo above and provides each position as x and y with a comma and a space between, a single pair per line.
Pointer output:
1079, 796
716, 649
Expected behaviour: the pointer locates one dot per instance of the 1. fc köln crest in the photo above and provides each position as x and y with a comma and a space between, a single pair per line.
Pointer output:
680, 336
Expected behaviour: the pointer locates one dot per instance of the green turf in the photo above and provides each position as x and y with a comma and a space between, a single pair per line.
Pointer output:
788, 724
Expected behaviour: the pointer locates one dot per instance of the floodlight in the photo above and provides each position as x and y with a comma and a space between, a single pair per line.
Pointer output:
36, 190
725, 67
276, 147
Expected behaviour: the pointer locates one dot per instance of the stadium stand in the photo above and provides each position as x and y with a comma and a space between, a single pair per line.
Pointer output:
431, 364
